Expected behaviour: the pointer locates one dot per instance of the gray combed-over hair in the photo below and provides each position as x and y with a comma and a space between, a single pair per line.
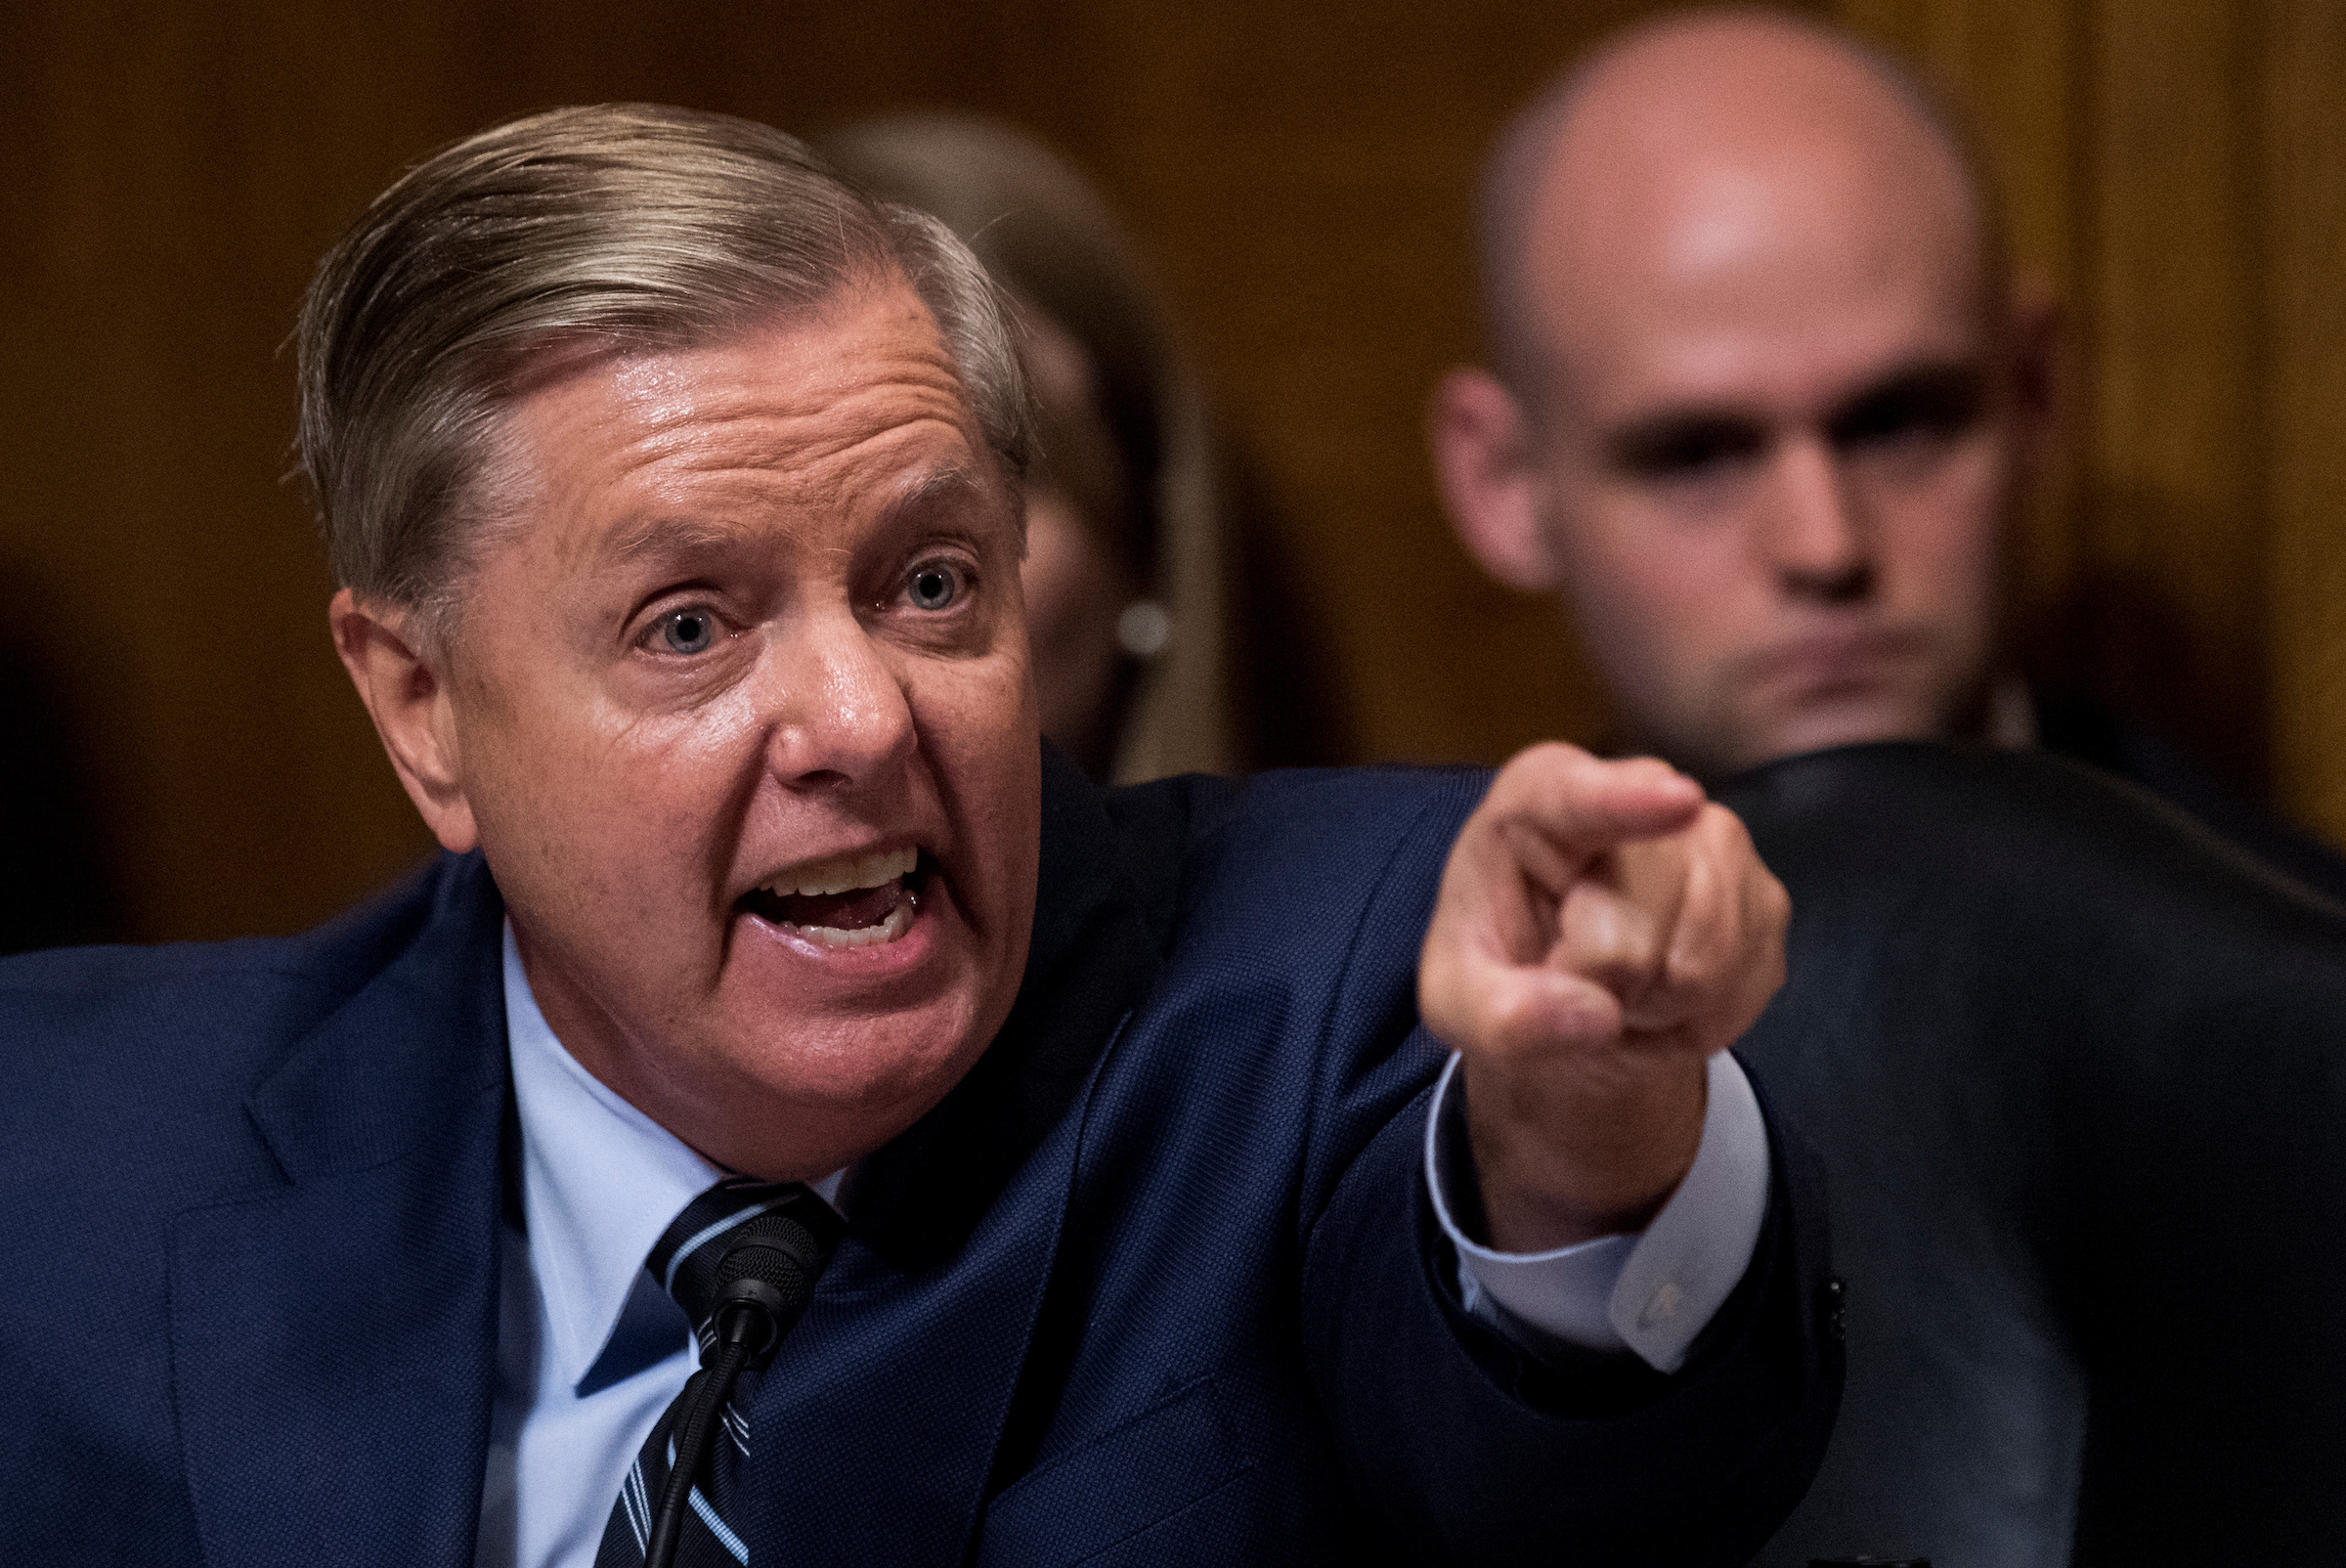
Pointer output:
632, 226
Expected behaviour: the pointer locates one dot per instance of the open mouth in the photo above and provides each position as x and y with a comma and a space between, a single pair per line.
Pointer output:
848, 901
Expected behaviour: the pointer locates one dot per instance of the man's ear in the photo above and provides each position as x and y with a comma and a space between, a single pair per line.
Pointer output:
1482, 452
406, 695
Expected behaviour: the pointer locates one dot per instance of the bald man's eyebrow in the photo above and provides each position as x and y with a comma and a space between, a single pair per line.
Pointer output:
1682, 443
1922, 403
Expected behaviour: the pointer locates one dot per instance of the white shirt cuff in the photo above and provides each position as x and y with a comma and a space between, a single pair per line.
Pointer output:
1651, 1292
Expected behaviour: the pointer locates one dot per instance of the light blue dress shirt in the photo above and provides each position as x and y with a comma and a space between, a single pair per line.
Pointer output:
1651, 1292
589, 1350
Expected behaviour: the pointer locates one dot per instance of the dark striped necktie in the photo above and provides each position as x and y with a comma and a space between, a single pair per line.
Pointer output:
741, 1260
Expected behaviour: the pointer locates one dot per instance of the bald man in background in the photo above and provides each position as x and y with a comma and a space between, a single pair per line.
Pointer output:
1761, 401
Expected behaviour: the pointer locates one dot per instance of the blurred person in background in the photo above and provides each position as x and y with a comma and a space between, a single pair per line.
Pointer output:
1763, 400
1141, 585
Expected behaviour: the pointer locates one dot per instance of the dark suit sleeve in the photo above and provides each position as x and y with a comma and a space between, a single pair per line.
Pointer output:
1475, 1452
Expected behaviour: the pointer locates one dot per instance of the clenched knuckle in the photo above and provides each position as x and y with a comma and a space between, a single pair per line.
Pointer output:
1696, 973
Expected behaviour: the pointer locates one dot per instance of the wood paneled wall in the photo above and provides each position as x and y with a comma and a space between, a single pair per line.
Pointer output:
2177, 170
1301, 173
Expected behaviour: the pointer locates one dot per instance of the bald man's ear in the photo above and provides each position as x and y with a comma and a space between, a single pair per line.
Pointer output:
1482, 452
406, 695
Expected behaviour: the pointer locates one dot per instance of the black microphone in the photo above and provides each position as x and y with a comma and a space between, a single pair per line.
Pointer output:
765, 1278
765, 1273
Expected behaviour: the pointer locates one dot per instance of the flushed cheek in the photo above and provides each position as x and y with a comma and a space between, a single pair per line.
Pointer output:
683, 763
623, 837
978, 730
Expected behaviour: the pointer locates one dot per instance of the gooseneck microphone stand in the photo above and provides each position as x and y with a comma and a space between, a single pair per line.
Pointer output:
767, 1276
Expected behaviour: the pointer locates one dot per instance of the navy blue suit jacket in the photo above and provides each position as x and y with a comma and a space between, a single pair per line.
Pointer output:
1155, 1283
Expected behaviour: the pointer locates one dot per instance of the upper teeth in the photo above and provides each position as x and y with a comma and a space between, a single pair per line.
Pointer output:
846, 873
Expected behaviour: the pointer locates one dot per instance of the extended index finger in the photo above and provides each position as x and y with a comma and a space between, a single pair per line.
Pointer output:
1556, 807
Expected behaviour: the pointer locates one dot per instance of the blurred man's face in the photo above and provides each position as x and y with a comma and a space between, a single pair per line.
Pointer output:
1766, 422
740, 712
1774, 491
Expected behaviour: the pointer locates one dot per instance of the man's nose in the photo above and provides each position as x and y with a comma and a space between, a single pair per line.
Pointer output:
843, 719
1816, 537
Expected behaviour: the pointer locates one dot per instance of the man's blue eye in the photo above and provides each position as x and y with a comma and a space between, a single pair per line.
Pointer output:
687, 630
933, 587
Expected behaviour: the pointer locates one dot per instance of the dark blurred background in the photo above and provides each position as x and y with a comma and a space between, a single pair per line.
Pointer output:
185, 758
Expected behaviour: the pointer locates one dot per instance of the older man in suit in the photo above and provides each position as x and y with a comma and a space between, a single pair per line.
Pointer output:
671, 484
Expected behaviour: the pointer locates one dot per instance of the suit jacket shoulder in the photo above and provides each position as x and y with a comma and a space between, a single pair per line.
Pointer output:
259, 1182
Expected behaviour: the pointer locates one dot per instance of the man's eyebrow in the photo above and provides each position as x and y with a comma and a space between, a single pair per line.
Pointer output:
951, 482
668, 536
1941, 394
1684, 438
664, 535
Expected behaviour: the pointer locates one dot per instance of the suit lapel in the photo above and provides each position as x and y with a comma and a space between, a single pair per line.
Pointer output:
334, 1341
876, 1429
873, 1434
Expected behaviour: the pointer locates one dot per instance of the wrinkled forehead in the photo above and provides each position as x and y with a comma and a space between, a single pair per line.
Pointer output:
816, 417
803, 354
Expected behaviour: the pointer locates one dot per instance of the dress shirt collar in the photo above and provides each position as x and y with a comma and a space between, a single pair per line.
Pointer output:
600, 1181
